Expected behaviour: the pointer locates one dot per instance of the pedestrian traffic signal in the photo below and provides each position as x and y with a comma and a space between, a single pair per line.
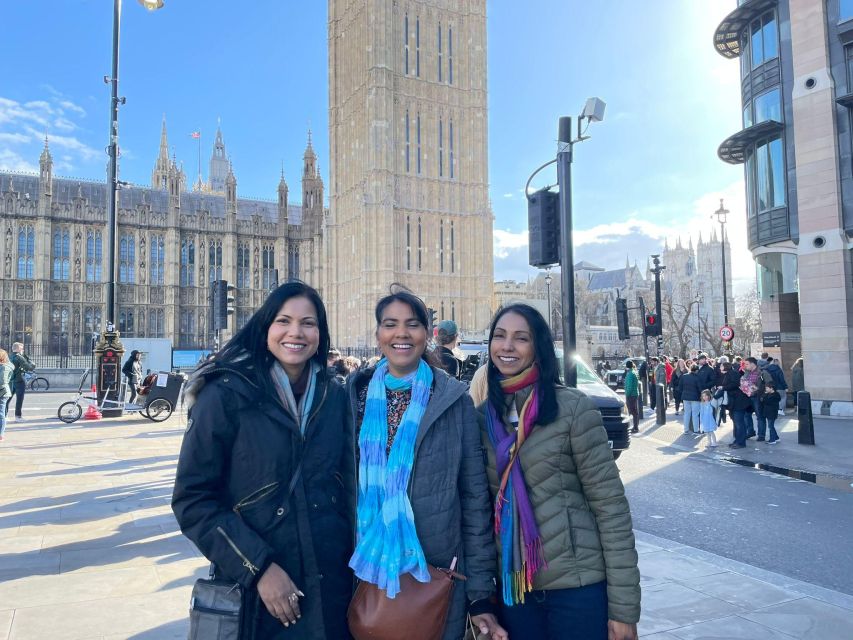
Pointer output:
652, 327
432, 318
223, 303
622, 319
543, 228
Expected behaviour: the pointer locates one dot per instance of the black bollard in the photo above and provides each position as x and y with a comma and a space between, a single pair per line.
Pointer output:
660, 403
805, 432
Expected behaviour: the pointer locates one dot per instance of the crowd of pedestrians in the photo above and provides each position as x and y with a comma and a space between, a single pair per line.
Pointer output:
706, 391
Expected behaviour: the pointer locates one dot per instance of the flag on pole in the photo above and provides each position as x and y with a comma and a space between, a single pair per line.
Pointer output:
195, 134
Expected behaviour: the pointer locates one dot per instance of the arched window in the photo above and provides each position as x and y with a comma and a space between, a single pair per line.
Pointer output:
127, 259
94, 256
158, 260
268, 273
187, 262
243, 274
26, 253
61, 255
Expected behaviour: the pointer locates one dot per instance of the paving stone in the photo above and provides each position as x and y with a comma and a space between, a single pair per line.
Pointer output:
806, 619
670, 606
5, 623
157, 549
740, 590
663, 565
731, 628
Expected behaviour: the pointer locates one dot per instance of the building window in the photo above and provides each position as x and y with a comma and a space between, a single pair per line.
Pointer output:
408, 243
418, 47
26, 253
23, 329
452, 156
418, 140
765, 177
450, 55
768, 106
187, 263
61, 255
443, 314
158, 260
214, 260
845, 9
764, 39
187, 329
156, 323
268, 276
243, 316
441, 247
408, 141
420, 244
453, 310
59, 331
243, 275
452, 247
293, 262
440, 53
94, 256
127, 259
91, 324
406, 44
440, 148
126, 324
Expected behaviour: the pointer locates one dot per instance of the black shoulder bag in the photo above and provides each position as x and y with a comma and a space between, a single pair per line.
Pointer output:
217, 606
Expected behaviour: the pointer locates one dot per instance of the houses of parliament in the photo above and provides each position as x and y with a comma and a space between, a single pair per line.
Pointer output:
172, 243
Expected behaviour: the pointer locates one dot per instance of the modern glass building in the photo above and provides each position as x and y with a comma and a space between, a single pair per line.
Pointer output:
795, 144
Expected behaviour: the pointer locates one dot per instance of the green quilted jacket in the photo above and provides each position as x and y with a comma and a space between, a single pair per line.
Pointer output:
580, 505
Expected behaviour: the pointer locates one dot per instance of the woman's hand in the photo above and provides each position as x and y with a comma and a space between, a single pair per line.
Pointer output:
621, 630
488, 626
280, 595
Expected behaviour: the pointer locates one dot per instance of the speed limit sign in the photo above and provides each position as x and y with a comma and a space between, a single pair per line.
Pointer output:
727, 333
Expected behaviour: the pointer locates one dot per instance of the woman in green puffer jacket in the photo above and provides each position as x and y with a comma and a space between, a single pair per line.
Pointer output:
567, 558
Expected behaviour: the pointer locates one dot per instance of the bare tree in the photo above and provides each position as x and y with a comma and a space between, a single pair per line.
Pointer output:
748, 327
677, 334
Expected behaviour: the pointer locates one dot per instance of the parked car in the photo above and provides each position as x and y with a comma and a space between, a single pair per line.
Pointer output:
616, 377
615, 415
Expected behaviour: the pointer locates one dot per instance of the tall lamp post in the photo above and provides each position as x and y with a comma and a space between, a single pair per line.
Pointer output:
722, 215
110, 350
698, 322
548, 288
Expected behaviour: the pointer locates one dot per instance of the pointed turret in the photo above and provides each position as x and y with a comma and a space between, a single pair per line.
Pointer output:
45, 172
312, 189
230, 192
219, 163
282, 198
160, 175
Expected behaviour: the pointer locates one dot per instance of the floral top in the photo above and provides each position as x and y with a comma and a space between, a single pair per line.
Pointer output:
398, 402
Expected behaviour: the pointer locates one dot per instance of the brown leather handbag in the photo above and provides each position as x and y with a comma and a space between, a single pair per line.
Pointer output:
418, 612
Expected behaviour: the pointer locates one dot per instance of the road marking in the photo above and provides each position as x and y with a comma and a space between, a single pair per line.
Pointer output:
770, 504
804, 501
657, 517
699, 513
737, 509
836, 499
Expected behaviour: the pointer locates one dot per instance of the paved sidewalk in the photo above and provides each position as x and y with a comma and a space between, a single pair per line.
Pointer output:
89, 550
828, 462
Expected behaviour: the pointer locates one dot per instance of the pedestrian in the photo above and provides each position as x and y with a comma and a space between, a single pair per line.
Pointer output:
265, 482
752, 385
777, 377
341, 371
742, 397
707, 421
643, 371
7, 370
707, 376
652, 372
770, 407
568, 563
680, 369
660, 379
423, 496
690, 396
331, 359
632, 394
23, 365
447, 336
132, 371
797, 378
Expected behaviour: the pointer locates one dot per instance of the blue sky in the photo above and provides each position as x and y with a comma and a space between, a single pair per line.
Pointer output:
649, 172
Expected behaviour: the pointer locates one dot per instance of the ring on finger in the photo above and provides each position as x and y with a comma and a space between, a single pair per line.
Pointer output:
293, 597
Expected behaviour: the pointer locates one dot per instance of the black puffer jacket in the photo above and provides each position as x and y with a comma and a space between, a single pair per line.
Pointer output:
239, 453
449, 492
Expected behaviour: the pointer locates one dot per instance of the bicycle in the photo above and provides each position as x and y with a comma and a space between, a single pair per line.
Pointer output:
36, 382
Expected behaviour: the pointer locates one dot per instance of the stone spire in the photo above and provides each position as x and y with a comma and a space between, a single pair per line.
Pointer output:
160, 175
219, 163
45, 170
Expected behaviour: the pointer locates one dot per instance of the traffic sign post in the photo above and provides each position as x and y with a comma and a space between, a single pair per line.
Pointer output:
727, 333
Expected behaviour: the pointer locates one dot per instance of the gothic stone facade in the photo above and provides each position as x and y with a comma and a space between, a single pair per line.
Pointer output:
171, 245
409, 165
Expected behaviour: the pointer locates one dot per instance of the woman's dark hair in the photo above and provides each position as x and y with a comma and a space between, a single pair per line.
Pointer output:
543, 356
341, 368
401, 294
247, 351
629, 364
694, 368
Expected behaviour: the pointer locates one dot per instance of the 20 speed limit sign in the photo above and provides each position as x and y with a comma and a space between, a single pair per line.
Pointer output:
727, 333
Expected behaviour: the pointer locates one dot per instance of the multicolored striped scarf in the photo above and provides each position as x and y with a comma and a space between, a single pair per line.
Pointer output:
388, 544
515, 525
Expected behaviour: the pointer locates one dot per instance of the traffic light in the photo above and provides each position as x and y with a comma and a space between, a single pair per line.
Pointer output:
622, 318
543, 228
652, 327
433, 320
223, 303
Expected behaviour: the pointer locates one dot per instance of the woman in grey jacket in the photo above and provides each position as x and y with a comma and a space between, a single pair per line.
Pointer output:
568, 563
422, 483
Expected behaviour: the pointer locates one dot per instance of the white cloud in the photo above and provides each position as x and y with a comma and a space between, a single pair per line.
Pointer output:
70, 106
14, 138
72, 144
508, 241
508, 195
11, 161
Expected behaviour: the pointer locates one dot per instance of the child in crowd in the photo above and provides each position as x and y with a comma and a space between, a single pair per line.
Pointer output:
707, 420
770, 410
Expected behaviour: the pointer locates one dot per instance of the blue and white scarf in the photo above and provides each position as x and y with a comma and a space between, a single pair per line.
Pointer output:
388, 544
299, 410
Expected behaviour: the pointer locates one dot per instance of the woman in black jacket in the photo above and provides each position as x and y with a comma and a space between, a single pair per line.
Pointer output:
266, 479
408, 409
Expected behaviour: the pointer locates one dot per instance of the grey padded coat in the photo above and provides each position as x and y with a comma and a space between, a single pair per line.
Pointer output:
580, 506
449, 492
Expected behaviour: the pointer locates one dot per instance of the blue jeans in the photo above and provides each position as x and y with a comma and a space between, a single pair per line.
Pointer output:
691, 410
3, 416
769, 422
19, 389
559, 614
742, 423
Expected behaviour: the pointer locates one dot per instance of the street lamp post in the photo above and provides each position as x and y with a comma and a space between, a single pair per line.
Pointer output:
548, 288
722, 215
698, 322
